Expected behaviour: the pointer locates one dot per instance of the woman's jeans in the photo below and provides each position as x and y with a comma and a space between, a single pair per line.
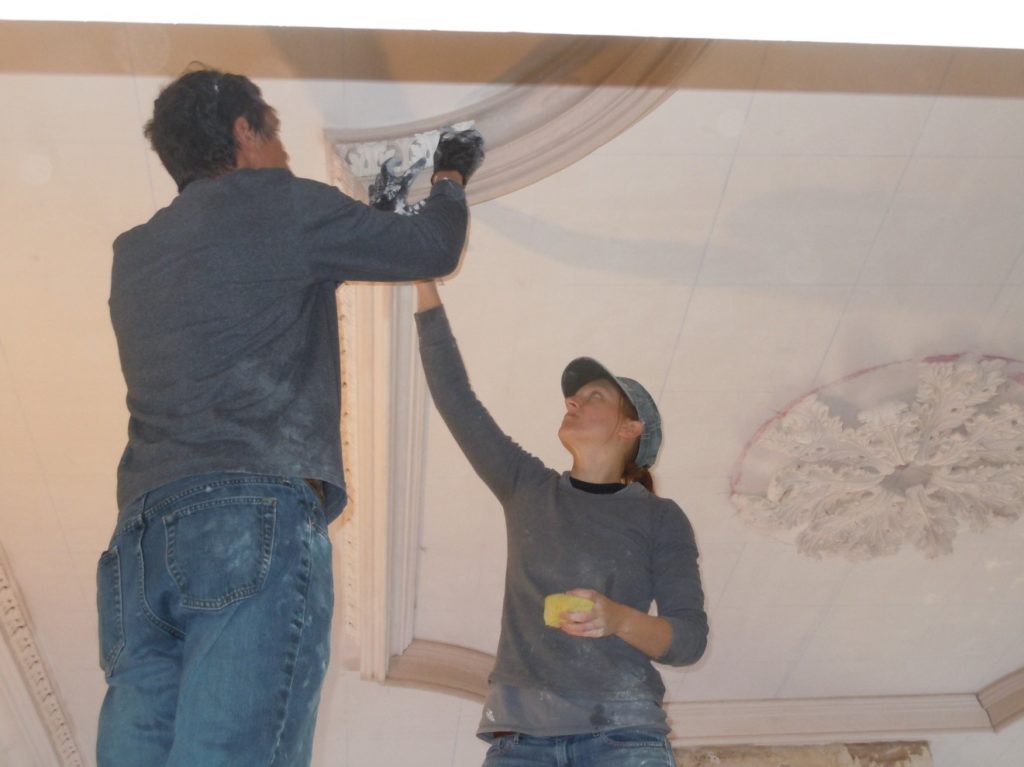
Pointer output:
632, 747
215, 601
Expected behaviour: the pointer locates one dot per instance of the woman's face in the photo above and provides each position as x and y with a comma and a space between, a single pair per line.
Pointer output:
593, 416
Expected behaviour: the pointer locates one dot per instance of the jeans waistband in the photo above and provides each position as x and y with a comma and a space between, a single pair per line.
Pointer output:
153, 501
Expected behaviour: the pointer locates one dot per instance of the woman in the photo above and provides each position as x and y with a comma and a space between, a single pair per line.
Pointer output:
584, 693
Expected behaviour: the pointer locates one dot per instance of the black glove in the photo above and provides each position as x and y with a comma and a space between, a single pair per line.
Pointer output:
388, 190
461, 151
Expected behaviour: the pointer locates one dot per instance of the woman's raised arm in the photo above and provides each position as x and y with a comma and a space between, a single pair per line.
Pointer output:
497, 460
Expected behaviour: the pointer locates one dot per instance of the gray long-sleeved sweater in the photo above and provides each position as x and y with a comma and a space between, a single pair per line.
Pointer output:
224, 309
632, 546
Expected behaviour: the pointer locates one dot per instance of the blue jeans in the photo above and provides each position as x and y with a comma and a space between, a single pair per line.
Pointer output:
215, 601
631, 747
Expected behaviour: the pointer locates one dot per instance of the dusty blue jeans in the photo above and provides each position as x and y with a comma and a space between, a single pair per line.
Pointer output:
215, 601
631, 747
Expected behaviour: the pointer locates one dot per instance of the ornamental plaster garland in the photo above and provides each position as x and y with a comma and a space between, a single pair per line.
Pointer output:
874, 462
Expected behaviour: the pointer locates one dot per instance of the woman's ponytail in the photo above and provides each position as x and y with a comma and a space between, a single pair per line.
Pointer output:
634, 473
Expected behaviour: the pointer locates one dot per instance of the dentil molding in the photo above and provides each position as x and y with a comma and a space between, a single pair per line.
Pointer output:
27, 684
383, 422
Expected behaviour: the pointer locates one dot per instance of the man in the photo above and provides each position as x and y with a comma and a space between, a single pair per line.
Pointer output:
215, 596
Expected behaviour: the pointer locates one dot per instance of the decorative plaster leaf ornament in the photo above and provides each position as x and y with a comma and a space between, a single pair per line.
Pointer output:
847, 476
890, 433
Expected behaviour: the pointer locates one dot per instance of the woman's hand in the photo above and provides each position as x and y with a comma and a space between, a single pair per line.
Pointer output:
601, 621
649, 634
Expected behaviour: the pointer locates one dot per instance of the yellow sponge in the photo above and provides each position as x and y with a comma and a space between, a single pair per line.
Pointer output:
556, 604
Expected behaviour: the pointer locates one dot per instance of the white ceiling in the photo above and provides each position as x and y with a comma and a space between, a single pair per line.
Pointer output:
980, 23
791, 214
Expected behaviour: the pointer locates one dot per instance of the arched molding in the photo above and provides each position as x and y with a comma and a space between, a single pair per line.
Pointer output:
584, 94
443, 668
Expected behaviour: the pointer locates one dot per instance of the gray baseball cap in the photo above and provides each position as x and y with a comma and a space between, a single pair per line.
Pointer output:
583, 370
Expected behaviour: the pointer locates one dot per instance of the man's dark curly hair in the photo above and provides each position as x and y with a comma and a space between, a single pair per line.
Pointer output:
193, 123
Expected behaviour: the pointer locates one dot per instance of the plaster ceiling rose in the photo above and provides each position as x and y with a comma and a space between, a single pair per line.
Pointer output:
903, 454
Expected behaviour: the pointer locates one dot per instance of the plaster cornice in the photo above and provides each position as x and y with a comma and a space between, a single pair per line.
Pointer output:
462, 671
1004, 699
26, 681
824, 720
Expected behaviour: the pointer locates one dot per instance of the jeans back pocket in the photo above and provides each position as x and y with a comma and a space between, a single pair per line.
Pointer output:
110, 606
219, 551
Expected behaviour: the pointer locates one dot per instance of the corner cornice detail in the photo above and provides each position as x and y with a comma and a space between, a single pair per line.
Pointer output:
42, 719
1004, 700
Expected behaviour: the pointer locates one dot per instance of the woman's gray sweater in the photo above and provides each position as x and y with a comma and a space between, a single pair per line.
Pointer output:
631, 546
